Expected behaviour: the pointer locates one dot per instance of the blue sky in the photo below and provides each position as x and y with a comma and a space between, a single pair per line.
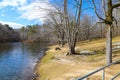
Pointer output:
18, 13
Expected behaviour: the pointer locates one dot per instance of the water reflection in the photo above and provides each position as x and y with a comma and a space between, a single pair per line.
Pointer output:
5, 47
17, 60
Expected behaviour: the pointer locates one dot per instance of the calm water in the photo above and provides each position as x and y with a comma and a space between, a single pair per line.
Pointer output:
17, 60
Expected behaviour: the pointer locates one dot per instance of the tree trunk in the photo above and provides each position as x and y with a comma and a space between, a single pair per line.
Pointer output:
71, 49
62, 38
109, 44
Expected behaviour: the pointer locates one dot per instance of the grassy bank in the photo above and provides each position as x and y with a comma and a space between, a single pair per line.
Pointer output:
56, 66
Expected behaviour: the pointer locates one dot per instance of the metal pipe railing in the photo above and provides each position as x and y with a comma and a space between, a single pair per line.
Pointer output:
93, 72
115, 76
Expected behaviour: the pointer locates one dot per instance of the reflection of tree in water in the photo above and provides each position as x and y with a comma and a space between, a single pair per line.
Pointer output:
5, 47
37, 48
17, 60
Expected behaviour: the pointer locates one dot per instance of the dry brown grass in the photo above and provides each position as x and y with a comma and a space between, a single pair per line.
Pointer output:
56, 66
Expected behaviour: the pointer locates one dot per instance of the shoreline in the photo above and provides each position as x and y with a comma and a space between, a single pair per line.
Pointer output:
55, 65
35, 68
38, 63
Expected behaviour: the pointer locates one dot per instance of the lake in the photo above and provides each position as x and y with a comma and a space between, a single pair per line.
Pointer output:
17, 60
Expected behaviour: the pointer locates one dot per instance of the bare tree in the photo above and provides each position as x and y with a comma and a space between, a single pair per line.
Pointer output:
107, 6
56, 19
71, 26
86, 27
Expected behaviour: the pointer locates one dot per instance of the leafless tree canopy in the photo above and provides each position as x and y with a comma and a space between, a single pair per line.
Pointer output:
73, 20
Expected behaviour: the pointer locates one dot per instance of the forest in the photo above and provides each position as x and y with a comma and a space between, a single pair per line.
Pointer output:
8, 34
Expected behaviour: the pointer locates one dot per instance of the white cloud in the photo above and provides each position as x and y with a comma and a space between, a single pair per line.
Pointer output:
13, 3
36, 11
12, 24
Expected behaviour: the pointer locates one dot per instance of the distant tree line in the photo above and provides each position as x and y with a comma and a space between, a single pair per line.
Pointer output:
36, 33
89, 29
54, 32
8, 34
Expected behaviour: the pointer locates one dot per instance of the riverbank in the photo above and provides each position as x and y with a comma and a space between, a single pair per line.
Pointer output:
55, 65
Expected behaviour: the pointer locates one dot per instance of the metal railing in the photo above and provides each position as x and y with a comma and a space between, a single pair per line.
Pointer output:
85, 77
116, 76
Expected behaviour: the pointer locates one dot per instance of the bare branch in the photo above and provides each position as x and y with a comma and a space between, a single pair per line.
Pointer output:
103, 5
115, 21
116, 5
79, 12
95, 9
